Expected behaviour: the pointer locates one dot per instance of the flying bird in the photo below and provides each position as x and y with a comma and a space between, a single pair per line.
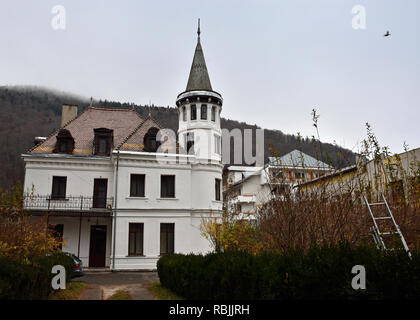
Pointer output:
387, 34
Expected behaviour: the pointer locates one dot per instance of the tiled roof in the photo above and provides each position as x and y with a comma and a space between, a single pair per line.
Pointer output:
122, 121
297, 159
135, 141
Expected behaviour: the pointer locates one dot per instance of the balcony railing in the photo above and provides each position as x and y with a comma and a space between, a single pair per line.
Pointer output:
69, 203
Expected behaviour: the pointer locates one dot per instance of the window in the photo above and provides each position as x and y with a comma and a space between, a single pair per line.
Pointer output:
102, 147
150, 142
184, 114
135, 239
167, 238
137, 185
59, 188
103, 141
299, 175
203, 114
189, 142
65, 142
167, 186
217, 189
217, 144
193, 112
213, 113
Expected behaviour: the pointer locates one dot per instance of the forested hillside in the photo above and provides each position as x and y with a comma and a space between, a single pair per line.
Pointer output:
27, 112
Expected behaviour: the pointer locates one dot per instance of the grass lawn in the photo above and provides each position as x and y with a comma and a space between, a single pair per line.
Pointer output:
72, 291
161, 293
120, 295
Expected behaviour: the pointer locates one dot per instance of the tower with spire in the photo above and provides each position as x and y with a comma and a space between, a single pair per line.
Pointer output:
199, 111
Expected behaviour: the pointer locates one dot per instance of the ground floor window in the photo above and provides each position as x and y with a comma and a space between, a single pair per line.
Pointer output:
167, 238
135, 241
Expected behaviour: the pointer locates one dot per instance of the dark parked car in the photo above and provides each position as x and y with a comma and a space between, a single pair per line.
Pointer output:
78, 270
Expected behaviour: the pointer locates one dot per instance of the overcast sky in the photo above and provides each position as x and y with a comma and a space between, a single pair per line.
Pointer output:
273, 61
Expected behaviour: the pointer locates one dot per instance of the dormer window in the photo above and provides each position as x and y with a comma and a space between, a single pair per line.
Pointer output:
103, 141
65, 142
150, 142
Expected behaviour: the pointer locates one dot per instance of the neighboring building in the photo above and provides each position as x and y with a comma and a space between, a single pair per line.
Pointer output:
108, 193
390, 176
247, 188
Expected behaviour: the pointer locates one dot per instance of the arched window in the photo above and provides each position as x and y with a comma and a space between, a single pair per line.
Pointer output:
184, 114
65, 142
203, 112
193, 112
150, 142
213, 113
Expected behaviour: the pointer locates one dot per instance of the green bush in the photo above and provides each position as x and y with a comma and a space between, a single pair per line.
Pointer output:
324, 272
28, 281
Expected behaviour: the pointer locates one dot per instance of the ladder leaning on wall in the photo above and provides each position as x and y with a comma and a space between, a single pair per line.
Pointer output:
378, 236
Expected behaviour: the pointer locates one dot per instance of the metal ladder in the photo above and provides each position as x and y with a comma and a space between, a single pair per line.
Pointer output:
377, 235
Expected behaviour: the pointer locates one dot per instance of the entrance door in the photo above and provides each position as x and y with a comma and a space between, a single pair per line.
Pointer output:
99, 193
97, 249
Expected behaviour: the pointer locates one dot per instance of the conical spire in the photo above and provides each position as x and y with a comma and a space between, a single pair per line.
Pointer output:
199, 78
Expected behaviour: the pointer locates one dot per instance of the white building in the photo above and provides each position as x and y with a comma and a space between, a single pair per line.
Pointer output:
247, 187
109, 195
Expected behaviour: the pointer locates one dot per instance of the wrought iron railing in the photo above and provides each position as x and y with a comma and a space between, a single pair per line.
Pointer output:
68, 203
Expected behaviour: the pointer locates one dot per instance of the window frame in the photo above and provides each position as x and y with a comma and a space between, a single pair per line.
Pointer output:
135, 232
218, 189
203, 107
61, 195
167, 233
193, 107
162, 196
138, 194
213, 113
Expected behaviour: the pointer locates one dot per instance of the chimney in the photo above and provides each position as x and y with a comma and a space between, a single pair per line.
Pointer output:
69, 112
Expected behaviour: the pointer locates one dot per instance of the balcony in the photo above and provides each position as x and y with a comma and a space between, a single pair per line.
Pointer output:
68, 206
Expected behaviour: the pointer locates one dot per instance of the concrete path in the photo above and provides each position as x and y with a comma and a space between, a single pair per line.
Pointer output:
102, 285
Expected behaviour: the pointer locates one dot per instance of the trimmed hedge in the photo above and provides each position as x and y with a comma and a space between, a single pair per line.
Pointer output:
321, 273
31, 281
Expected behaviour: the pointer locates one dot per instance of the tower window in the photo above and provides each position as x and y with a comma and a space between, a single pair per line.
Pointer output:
184, 114
203, 112
217, 144
189, 142
193, 112
213, 113
217, 189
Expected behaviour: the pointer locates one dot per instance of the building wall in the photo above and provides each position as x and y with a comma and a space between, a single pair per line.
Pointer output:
80, 173
187, 238
71, 235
